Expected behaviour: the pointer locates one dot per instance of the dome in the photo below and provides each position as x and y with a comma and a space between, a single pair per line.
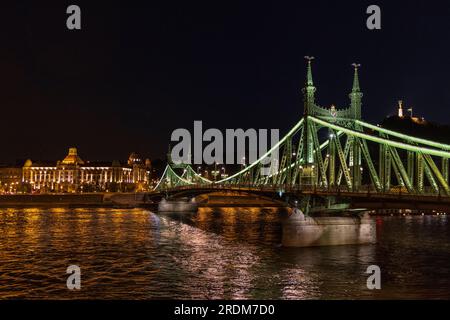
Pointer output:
72, 157
28, 163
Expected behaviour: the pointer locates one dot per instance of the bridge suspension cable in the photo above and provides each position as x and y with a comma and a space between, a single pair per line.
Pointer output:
267, 154
392, 143
404, 136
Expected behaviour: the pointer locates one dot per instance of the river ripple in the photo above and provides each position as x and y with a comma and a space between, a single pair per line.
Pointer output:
214, 254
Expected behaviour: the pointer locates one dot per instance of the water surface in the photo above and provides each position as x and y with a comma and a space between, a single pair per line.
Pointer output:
214, 254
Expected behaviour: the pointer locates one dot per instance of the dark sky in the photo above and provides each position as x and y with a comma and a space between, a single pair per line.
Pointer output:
140, 69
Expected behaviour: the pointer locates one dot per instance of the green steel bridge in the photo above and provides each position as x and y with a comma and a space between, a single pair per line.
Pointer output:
332, 152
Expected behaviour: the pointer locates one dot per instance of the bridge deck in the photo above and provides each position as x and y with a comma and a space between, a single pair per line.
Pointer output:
366, 199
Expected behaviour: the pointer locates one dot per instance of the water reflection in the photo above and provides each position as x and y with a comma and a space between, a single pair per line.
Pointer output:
231, 253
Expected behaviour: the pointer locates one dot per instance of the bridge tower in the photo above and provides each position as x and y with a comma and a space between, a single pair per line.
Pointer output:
355, 152
309, 170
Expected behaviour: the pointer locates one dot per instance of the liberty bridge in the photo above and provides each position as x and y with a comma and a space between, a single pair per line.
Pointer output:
332, 157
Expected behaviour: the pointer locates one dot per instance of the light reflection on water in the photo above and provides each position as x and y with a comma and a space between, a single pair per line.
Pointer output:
216, 253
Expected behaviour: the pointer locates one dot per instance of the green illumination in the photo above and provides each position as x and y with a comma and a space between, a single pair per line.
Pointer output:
290, 133
391, 143
404, 136
195, 174
173, 173
343, 159
162, 178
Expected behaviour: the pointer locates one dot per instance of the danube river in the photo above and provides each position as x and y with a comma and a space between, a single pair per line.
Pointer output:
214, 254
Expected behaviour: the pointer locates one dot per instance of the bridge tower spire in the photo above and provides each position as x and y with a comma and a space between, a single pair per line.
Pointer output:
355, 151
309, 89
309, 169
308, 99
356, 94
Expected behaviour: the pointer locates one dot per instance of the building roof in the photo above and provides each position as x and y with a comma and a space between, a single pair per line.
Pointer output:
72, 157
114, 163
30, 163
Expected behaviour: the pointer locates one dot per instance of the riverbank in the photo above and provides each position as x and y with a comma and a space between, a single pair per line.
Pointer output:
134, 200
123, 200
52, 200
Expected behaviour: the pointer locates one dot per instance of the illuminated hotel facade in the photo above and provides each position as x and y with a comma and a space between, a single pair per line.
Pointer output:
72, 174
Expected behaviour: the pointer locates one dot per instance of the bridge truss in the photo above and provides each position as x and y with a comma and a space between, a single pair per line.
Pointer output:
332, 148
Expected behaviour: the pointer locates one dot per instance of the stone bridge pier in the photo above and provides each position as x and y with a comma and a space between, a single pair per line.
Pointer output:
300, 230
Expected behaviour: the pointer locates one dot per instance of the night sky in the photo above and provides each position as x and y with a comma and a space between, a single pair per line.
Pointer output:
138, 70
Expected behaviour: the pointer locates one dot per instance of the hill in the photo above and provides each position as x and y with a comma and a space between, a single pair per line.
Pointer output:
418, 128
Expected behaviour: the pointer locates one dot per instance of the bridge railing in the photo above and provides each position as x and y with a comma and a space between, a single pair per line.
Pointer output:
366, 190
